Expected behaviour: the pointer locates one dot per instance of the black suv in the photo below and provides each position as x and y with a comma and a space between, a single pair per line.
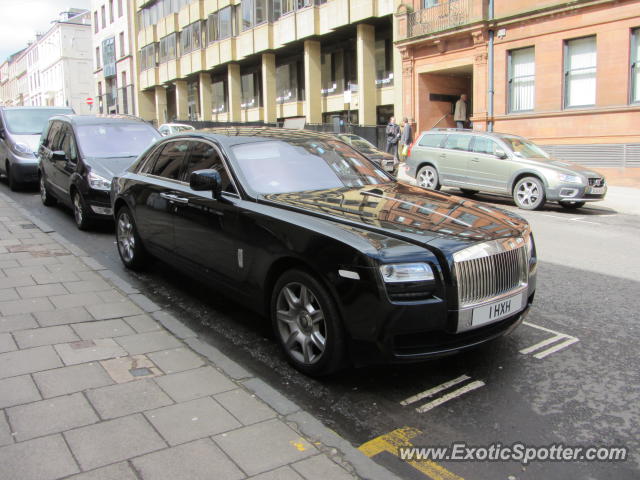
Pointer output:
80, 154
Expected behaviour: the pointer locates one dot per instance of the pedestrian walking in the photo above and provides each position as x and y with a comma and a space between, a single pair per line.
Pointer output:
460, 112
406, 138
393, 137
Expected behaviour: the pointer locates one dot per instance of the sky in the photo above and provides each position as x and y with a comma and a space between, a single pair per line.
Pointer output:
20, 20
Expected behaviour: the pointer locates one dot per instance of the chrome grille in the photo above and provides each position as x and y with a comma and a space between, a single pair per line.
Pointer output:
481, 279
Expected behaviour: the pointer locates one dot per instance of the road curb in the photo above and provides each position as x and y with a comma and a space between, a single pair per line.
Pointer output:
339, 449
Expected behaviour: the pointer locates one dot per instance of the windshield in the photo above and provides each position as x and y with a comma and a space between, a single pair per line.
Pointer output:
283, 167
115, 140
30, 121
182, 128
357, 142
523, 148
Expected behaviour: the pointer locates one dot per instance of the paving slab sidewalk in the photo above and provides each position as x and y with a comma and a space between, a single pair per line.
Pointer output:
98, 382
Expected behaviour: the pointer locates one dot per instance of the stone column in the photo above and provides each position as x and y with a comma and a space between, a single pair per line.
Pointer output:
205, 95
147, 105
235, 88
366, 59
312, 81
182, 106
161, 104
269, 88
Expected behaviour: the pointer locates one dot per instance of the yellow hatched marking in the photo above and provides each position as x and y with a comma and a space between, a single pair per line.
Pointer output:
389, 442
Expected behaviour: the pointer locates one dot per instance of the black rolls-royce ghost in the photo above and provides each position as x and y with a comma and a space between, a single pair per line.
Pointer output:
347, 263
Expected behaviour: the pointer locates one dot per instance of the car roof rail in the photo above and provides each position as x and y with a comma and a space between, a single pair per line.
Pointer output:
453, 129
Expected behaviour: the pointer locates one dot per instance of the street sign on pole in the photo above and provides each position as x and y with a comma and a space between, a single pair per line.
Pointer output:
89, 101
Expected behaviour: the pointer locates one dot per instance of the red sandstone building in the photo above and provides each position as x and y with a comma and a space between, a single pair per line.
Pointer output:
565, 74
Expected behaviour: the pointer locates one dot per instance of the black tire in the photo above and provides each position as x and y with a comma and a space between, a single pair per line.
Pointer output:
427, 177
528, 193
131, 250
572, 205
81, 213
466, 191
13, 182
310, 330
48, 200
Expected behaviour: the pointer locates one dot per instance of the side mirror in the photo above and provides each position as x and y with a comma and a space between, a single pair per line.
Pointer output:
501, 153
208, 180
58, 155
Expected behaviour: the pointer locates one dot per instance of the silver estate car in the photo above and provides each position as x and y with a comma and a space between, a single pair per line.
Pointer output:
499, 163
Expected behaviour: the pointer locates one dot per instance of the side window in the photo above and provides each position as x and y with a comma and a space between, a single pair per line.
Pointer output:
68, 144
431, 140
148, 163
54, 127
57, 137
170, 160
458, 142
202, 156
484, 145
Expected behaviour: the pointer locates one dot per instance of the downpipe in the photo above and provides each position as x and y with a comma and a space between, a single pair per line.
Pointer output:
490, 73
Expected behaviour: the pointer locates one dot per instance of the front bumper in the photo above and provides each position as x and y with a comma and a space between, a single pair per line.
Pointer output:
570, 192
99, 202
24, 170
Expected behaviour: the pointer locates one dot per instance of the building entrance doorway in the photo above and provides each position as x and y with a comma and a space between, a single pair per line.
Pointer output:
438, 92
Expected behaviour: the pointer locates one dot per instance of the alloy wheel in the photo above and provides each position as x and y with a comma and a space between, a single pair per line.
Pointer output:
126, 237
427, 178
43, 190
78, 212
528, 194
301, 323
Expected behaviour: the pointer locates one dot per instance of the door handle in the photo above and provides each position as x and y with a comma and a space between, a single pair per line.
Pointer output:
475, 159
443, 155
174, 198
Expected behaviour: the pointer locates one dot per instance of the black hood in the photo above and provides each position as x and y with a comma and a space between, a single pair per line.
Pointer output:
109, 167
418, 215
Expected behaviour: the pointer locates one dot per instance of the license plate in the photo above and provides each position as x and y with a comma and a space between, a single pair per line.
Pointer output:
497, 310
597, 190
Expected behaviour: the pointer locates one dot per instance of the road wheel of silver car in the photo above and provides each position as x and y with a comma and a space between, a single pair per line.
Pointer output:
528, 193
13, 182
80, 211
47, 199
307, 324
132, 252
428, 178
572, 205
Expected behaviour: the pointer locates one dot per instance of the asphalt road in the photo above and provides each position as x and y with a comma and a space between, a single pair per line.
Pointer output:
569, 375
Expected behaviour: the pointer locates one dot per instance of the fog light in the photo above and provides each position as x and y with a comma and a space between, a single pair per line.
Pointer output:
568, 192
101, 210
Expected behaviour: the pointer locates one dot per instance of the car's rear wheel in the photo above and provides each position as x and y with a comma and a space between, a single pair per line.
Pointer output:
427, 177
528, 193
47, 199
130, 248
80, 211
466, 191
572, 205
307, 324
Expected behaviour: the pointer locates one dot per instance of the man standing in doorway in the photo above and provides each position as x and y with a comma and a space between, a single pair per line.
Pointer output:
393, 136
460, 112
406, 138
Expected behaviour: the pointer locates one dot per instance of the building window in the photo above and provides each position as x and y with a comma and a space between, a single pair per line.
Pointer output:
251, 85
384, 58
212, 28
97, 58
110, 11
338, 68
168, 48
522, 79
225, 29
103, 14
191, 38
193, 100
119, 8
219, 96
635, 66
96, 27
122, 48
580, 72
290, 81
148, 57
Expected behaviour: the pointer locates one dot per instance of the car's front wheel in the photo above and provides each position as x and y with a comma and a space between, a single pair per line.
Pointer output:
47, 199
572, 205
80, 211
130, 248
427, 177
307, 324
528, 193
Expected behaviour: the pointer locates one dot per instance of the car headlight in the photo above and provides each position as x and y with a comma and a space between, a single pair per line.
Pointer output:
22, 149
98, 182
563, 177
406, 272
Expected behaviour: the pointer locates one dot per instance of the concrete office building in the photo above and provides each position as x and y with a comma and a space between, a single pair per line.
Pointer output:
267, 60
114, 60
565, 74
